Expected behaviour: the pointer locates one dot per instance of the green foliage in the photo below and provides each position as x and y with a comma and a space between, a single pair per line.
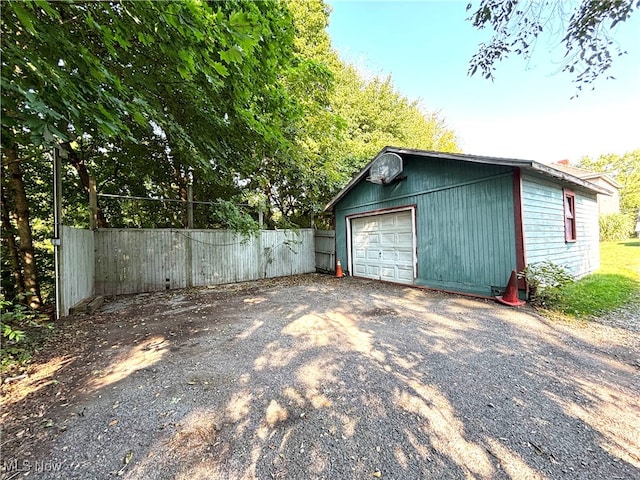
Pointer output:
615, 285
583, 27
229, 215
624, 169
345, 121
198, 82
36, 169
552, 288
377, 115
109, 68
151, 96
237, 98
22, 329
616, 226
244, 101
546, 281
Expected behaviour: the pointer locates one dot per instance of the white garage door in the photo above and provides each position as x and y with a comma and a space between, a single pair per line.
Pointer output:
382, 247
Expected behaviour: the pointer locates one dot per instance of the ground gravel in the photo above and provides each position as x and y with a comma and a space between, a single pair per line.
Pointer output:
318, 377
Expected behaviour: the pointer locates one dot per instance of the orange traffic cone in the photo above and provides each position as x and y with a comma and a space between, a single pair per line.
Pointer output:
510, 296
339, 272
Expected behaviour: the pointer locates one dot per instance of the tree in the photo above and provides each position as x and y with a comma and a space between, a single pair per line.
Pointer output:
246, 102
28, 278
625, 169
516, 25
200, 79
345, 121
376, 115
295, 183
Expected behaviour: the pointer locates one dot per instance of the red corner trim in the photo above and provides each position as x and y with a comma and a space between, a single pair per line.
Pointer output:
517, 210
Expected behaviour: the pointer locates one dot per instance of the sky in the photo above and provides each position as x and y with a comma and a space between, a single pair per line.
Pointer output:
527, 112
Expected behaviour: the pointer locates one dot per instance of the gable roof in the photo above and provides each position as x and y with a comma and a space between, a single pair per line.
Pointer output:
527, 165
584, 174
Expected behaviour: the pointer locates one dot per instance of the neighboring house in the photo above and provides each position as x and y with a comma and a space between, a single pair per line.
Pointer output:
607, 203
462, 223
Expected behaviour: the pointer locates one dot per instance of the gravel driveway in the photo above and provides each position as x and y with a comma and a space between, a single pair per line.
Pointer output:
318, 377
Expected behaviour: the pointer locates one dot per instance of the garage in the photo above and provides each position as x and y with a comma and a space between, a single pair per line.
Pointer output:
382, 246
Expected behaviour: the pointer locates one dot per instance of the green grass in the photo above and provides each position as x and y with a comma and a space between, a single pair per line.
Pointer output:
614, 285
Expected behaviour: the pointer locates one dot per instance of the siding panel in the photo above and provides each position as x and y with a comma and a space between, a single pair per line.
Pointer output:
543, 218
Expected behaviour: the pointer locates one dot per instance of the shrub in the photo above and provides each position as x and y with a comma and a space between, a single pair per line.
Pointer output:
616, 226
21, 329
546, 281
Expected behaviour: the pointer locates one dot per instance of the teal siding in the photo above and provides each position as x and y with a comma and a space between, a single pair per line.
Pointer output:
464, 221
466, 237
543, 224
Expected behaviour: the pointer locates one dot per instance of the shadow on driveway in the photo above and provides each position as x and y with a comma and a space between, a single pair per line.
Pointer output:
317, 377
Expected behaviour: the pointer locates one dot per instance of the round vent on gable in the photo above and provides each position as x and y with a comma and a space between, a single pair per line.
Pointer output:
385, 168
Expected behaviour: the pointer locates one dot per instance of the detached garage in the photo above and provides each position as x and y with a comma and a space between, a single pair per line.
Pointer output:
462, 223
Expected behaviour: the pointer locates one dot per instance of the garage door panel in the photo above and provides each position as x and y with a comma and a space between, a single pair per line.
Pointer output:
404, 238
372, 254
383, 247
388, 273
405, 274
405, 258
387, 221
368, 226
368, 239
360, 269
388, 238
388, 257
372, 271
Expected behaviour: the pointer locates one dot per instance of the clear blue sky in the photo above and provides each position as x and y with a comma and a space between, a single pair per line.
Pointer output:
526, 113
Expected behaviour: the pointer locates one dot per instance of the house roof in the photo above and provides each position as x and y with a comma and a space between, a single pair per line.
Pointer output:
584, 174
527, 165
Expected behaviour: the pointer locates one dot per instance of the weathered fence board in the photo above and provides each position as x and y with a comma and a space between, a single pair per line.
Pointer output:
325, 250
145, 260
287, 253
77, 270
223, 257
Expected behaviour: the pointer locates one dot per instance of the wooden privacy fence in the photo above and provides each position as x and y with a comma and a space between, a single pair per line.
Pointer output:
146, 260
325, 249
77, 267
121, 261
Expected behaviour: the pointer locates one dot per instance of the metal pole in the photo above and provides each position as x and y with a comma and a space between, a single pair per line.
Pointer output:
190, 206
57, 227
93, 204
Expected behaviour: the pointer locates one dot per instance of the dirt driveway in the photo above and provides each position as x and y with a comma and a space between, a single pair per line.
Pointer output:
317, 377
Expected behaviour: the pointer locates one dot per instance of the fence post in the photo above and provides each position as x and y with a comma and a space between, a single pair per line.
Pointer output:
188, 246
93, 204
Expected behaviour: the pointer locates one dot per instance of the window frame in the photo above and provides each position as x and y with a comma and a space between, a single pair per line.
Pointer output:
569, 208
